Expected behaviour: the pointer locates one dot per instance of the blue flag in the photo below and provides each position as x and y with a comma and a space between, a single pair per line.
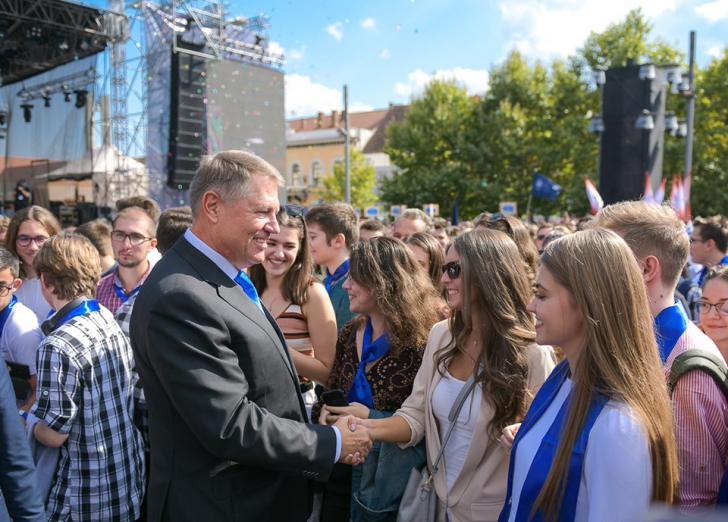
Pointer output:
455, 217
543, 187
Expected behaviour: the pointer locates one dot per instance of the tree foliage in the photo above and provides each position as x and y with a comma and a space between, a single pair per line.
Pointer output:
535, 116
362, 181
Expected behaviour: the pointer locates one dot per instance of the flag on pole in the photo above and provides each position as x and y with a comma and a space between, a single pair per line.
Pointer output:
681, 197
648, 195
686, 190
455, 217
543, 187
594, 198
675, 198
660, 192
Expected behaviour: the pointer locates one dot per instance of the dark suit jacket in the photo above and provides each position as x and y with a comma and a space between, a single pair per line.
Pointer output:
20, 497
227, 424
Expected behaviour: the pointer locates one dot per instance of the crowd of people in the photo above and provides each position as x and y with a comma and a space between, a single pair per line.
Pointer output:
241, 359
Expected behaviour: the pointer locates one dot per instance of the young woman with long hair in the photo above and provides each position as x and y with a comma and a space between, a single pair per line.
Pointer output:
29, 228
298, 301
489, 335
597, 443
379, 352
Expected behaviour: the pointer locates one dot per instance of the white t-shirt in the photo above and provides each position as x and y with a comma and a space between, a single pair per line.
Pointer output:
616, 482
21, 336
31, 296
456, 449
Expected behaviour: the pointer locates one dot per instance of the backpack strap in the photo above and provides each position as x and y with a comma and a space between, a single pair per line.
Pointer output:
696, 359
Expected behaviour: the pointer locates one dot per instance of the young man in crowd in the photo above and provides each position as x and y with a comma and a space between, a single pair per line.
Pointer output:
709, 243
659, 241
332, 229
372, 228
173, 223
20, 332
133, 237
412, 220
98, 231
85, 391
441, 230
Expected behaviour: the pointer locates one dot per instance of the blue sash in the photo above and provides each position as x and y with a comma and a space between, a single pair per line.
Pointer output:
6, 313
88, 306
669, 325
338, 274
544, 458
704, 271
122, 295
360, 390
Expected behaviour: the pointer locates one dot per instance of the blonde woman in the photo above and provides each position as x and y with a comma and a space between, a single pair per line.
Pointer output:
597, 443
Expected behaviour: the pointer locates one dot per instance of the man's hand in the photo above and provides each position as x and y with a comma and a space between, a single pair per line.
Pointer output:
356, 440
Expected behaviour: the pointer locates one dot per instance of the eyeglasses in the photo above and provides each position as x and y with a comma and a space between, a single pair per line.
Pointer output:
452, 268
26, 240
697, 240
293, 210
704, 308
499, 221
541, 237
5, 290
134, 239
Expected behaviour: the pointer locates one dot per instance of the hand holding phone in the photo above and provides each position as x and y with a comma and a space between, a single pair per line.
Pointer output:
334, 398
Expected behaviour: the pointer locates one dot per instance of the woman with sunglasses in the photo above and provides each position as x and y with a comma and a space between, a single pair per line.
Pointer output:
490, 337
713, 307
597, 444
298, 301
28, 230
378, 354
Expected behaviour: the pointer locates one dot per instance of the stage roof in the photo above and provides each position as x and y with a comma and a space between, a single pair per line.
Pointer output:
38, 35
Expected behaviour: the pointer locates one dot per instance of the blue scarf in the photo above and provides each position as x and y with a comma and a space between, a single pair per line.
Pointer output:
338, 274
544, 458
704, 271
669, 325
360, 390
6, 313
88, 306
124, 296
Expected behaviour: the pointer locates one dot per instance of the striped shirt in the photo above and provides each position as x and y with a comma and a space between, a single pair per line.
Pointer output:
701, 426
106, 293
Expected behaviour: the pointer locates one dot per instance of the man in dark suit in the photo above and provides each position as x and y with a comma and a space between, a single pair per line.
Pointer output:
227, 423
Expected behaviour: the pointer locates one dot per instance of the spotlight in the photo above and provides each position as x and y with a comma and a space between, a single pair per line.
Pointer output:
47, 101
671, 123
26, 112
599, 77
259, 39
2, 119
596, 125
645, 121
81, 98
647, 72
67, 96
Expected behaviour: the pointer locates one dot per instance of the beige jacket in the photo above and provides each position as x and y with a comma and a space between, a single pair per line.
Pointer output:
479, 490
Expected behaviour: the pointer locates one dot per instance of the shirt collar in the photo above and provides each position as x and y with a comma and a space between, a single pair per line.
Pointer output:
214, 256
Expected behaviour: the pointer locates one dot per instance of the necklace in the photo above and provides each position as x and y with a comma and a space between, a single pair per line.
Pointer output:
269, 305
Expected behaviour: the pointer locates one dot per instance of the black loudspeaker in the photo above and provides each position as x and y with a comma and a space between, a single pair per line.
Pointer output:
187, 132
626, 152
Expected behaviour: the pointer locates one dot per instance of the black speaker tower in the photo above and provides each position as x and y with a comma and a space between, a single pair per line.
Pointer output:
626, 152
187, 116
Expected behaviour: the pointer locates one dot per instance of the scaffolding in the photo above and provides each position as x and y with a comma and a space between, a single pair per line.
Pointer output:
122, 121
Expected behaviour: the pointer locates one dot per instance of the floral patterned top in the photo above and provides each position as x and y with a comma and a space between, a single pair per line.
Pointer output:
390, 377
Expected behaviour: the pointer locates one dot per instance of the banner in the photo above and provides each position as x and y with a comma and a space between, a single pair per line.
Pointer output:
594, 198
543, 187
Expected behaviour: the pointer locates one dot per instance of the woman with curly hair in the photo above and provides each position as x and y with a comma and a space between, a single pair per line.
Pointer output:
379, 352
490, 337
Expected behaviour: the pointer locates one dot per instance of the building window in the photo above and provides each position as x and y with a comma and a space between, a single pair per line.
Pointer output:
317, 173
296, 175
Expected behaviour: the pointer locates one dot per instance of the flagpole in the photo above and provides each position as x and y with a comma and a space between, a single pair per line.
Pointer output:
528, 207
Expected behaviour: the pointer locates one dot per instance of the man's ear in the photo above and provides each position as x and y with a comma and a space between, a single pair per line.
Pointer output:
339, 241
16, 284
210, 207
651, 269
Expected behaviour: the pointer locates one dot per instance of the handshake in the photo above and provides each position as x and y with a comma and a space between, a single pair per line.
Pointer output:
356, 434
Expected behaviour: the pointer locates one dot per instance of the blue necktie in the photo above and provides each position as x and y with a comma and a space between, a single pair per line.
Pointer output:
246, 284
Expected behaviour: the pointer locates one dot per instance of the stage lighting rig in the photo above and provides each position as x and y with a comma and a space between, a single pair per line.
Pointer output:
81, 98
26, 111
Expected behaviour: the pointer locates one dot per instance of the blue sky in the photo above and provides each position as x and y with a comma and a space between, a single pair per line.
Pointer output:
386, 51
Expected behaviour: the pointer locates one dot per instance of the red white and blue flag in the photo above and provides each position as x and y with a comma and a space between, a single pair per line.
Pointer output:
594, 198
648, 195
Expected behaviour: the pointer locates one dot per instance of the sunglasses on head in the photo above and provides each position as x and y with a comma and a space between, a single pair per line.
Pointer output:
499, 221
452, 268
293, 210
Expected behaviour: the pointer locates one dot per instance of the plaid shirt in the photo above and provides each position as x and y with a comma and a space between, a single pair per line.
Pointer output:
141, 413
106, 294
85, 391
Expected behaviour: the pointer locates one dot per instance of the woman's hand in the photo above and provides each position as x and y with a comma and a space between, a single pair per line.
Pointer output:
509, 433
334, 412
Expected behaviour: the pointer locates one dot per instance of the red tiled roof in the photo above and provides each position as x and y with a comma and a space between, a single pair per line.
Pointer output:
362, 120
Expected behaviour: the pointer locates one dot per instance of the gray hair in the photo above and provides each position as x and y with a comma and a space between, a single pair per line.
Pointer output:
415, 214
228, 174
9, 260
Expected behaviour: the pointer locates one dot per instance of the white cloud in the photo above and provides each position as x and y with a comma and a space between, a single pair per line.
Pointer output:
360, 107
714, 11
275, 47
306, 98
548, 28
368, 23
385, 54
476, 81
336, 30
716, 51
297, 54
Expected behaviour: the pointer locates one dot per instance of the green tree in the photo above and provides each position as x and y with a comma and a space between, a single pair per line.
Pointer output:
362, 181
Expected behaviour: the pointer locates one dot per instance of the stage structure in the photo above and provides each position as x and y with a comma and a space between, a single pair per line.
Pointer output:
118, 61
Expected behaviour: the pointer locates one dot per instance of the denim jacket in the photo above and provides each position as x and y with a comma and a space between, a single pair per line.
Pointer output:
378, 484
